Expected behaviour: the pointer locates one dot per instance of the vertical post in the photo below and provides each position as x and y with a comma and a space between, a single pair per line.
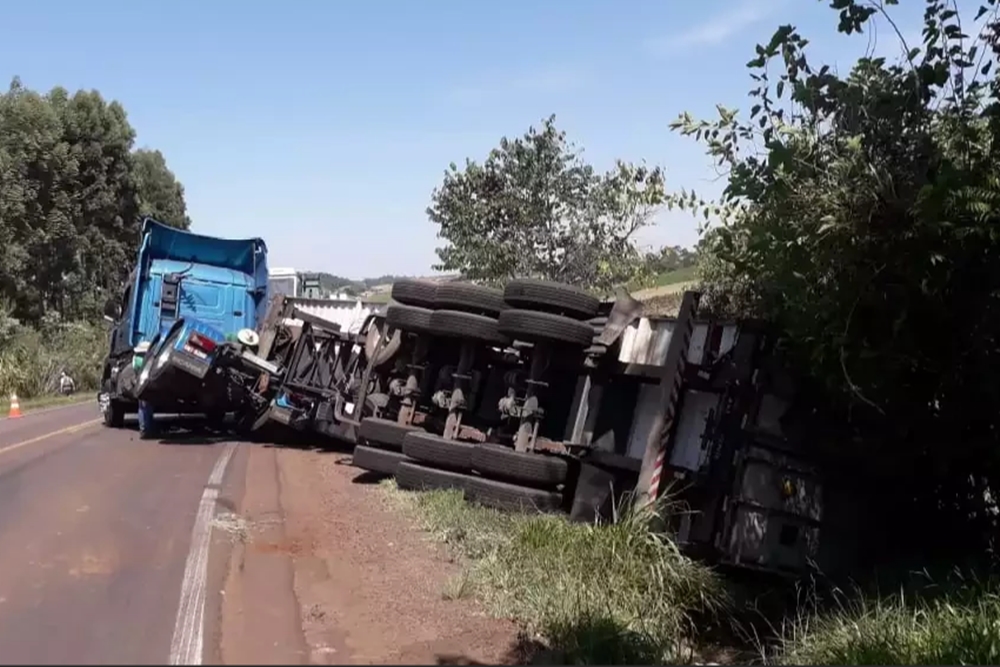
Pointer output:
671, 380
268, 328
578, 410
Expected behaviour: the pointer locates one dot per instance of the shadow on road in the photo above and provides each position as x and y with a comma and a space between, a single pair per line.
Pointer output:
194, 438
522, 651
367, 477
277, 436
186, 430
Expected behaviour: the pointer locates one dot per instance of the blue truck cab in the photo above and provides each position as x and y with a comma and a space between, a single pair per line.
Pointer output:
189, 291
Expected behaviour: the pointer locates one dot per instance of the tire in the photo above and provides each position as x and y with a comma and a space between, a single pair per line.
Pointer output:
470, 298
551, 297
376, 460
502, 495
410, 292
115, 416
528, 468
409, 318
437, 452
415, 477
537, 327
126, 381
383, 433
456, 324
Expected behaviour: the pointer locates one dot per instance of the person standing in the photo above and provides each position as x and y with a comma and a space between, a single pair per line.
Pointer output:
66, 384
147, 424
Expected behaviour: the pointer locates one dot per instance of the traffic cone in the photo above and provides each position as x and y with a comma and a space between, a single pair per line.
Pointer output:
15, 407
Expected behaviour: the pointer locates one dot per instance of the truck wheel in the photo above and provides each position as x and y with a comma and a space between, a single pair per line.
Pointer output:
409, 318
437, 451
502, 495
455, 324
383, 433
536, 327
128, 379
469, 297
551, 297
528, 468
415, 477
376, 460
114, 417
410, 292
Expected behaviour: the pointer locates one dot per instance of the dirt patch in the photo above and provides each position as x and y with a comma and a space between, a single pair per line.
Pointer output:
372, 588
260, 615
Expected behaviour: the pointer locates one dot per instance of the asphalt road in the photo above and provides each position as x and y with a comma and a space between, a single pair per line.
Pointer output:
100, 551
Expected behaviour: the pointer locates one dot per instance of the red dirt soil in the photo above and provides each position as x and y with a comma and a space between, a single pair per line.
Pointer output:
369, 583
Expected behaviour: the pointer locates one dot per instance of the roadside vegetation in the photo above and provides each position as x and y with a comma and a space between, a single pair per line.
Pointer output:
953, 624
72, 190
623, 594
32, 357
617, 594
859, 217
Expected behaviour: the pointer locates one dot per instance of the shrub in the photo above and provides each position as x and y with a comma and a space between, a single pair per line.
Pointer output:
960, 626
32, 358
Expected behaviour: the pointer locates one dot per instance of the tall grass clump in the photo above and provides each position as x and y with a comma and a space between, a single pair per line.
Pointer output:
955, 625
31, 358
613, 594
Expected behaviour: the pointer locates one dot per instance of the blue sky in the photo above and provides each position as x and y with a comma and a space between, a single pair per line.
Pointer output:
324, 126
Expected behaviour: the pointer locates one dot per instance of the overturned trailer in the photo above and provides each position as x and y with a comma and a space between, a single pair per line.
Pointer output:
542, 397
712, 423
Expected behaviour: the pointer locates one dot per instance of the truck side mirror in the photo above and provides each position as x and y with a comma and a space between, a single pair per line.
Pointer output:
111, 309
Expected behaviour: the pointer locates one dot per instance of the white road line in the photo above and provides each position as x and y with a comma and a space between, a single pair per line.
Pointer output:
187, 643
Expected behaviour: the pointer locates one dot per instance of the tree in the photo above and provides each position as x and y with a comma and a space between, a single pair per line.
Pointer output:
670, 258
534, 208
71, 192
161, 196
861, 217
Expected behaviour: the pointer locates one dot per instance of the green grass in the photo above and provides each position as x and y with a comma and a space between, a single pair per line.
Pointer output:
665, 284
616, 594
44, 401
687, 274
622, 594
960, 626
379, 297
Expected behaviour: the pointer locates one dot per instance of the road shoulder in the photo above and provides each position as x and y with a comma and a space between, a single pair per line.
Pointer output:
260, 621
371, 586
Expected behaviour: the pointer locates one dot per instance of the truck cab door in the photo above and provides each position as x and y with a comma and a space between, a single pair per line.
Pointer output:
121, 313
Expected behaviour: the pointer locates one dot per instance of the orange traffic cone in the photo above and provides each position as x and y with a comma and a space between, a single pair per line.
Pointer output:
15, 407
